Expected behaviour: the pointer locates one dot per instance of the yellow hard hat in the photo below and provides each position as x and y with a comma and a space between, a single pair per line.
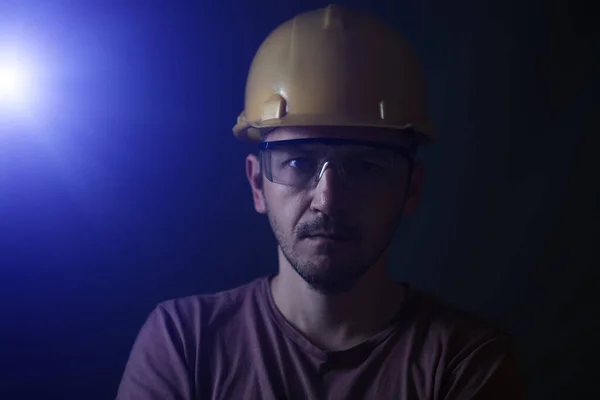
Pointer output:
334, 67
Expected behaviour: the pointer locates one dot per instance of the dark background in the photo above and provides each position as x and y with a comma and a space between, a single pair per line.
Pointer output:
125, 186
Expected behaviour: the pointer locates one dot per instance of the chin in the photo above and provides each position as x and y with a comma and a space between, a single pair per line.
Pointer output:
329, 276
326, 285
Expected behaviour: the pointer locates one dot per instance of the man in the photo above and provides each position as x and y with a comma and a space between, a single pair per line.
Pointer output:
336, 101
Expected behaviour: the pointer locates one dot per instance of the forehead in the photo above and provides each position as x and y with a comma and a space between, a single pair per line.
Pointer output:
376, 135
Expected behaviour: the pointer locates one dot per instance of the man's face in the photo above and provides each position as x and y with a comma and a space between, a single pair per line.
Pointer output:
333, 231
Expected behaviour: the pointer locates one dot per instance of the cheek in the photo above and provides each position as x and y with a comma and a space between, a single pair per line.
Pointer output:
285, 207
387, 195
380, 212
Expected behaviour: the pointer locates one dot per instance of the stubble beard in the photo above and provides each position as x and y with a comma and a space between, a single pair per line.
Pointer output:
333, 279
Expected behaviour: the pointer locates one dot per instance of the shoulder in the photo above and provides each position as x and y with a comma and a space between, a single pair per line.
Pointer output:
474, 357
446, 319
165, 356
456, 333
191, 313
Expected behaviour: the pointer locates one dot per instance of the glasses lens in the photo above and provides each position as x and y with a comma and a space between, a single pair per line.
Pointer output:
291, 166
362, 166
368, 165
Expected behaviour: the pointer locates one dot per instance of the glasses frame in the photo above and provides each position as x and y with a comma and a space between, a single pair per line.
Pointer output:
407, 152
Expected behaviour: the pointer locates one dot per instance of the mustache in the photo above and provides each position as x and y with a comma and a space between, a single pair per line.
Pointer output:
325, 224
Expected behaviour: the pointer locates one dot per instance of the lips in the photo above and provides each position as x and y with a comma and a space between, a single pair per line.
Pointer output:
329, 236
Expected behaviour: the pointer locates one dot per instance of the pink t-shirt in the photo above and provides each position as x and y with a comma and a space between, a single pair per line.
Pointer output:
237, 345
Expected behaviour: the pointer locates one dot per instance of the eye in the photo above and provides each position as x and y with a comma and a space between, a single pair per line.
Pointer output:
368, 167
301, 163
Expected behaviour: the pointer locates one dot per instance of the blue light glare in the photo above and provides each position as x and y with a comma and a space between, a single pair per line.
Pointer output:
17, 88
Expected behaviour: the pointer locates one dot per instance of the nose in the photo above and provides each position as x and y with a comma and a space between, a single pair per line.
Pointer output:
329, 196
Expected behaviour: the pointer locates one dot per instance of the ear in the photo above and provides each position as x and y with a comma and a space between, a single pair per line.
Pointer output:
255, 178
415, 189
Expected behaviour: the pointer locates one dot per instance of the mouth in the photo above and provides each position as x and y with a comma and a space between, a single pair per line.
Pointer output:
329, 237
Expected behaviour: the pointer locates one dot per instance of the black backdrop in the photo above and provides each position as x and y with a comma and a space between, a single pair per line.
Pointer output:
124, 186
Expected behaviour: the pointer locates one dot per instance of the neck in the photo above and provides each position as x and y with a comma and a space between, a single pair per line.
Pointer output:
337, 321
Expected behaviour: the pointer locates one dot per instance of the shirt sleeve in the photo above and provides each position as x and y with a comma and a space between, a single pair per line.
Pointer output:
486, 371
157, 368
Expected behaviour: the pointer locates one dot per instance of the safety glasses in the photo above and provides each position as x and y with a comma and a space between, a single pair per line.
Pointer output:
301, 163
